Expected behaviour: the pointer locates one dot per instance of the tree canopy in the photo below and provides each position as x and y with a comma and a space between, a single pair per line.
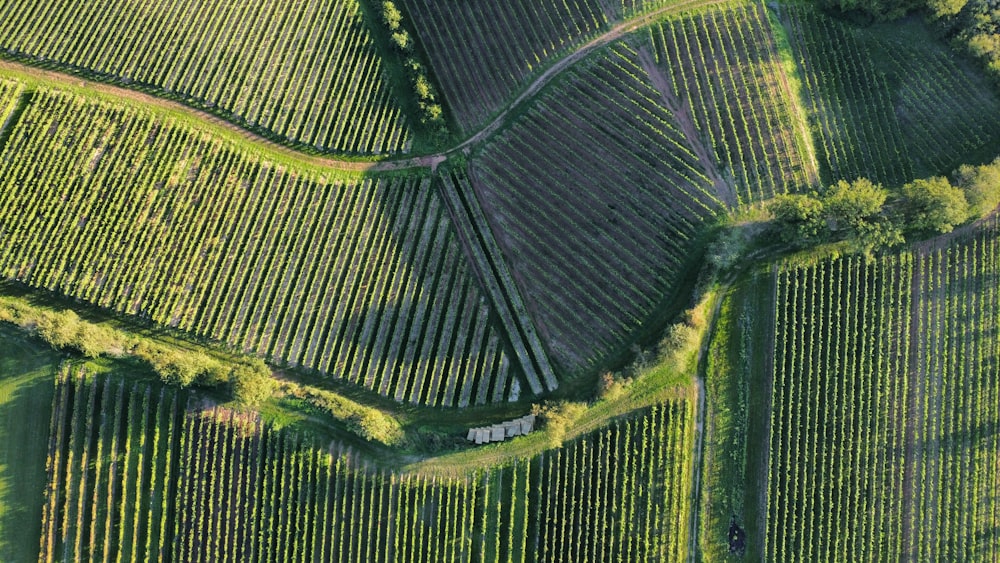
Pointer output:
934, 205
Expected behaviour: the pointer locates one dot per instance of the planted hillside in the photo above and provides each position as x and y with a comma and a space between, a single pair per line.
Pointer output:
138, 472
361, 280
722, 71
949, 115
597, 196
883, 433
302, 72
891, 102
482, 51
849, 103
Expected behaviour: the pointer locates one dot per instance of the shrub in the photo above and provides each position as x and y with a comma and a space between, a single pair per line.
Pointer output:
558, 418
251, 383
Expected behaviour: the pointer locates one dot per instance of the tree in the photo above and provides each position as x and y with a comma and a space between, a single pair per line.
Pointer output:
799, 219
934, 205
848, 206
392, 16
855, 211
879, 233
981, 185
942, 8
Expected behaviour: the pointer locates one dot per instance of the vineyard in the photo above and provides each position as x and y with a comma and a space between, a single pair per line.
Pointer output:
362, 280
883, 441
247, 313
947, 113
139, 472
306, 72
850, 107
597, 177
10, 93
482, 52
890, 104
723, 69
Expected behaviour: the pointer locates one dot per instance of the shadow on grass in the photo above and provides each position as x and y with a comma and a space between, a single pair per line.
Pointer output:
27, 383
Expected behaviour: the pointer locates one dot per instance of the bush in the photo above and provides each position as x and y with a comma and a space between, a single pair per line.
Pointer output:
369, 423
374, 425
611, 385
558, 418
391, 15
178, 367
251, 383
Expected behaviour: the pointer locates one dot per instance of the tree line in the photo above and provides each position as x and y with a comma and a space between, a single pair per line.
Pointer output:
870, 216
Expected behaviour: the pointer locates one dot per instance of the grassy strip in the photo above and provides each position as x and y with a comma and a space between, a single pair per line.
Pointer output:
27, 384
34, 79
672, 376
736, 374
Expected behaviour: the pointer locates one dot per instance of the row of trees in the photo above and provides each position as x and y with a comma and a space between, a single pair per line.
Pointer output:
871, 216
248, 379
431, 113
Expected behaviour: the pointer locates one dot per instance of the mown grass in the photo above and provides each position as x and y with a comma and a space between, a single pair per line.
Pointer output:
27, 384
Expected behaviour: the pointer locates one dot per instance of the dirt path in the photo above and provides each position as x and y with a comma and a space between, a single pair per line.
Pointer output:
429, 161
699, 439
580, 53
682, 113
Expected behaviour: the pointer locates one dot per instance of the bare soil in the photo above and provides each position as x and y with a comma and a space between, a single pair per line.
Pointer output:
682, 113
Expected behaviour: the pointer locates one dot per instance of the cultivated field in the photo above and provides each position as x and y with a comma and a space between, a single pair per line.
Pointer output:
362, 280
948, 114
142, 472
850, 106
723, 70
890, 103
883, 442
305, 72
482, 52
596, 195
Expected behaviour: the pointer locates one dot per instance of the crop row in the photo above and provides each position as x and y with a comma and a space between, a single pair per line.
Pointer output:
617, 195
302, 71
135, 475
850, 106
883, 440
10, 92
482, 52
363, 281
109, 469
724, 67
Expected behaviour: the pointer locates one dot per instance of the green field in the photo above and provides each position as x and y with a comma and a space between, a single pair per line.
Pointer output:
27, 384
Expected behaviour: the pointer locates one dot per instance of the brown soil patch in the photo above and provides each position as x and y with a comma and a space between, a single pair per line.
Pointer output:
682, 113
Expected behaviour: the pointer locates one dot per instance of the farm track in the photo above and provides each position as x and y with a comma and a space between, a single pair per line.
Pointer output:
388, 165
